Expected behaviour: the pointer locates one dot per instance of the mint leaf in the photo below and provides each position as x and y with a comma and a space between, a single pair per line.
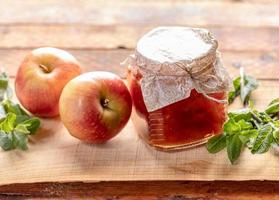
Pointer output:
248, 136
250, 84
276, 123
20, 140
243, 86
233, 94
234, 147
8, 124
216, 143
276, 136
32, 125
244, 114
11, 107
265, 118
244, 125
231, 127
21, 118
263, 140
273, 108
249, 133
4, 80
274, 101
6, 141
21, 128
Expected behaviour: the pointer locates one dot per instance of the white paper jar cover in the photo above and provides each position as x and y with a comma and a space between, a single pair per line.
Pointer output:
175, 60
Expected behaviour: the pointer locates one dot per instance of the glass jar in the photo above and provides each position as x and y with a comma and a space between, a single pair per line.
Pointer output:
179, 98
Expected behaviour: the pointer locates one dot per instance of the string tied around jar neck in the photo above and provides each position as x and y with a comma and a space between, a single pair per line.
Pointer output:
194, 78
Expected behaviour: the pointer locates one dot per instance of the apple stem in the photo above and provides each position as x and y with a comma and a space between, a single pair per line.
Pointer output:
44, 68
105, 102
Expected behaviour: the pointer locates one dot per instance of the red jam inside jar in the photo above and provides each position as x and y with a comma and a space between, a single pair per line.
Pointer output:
186, 123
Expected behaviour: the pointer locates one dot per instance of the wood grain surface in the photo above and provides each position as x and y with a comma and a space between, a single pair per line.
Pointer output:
254, 62
126, 36
193, 13
101, 34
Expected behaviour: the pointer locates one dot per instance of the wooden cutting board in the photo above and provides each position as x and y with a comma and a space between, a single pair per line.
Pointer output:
54, 155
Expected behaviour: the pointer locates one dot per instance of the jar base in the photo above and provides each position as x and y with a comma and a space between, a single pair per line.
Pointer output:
178, 147
175, 147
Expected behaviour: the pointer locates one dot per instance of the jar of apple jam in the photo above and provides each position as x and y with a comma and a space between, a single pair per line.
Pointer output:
178, 86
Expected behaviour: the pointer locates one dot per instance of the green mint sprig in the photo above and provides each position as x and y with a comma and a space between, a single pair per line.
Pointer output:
243, 85
248, 127
15, 124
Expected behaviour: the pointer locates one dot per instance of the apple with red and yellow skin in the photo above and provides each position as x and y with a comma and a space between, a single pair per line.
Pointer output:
41, 78
95, 106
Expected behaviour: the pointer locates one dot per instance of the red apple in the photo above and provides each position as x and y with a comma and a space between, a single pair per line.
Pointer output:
41, 78
95, 106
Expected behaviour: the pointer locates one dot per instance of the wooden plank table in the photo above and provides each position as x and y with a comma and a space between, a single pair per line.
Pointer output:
102, 33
